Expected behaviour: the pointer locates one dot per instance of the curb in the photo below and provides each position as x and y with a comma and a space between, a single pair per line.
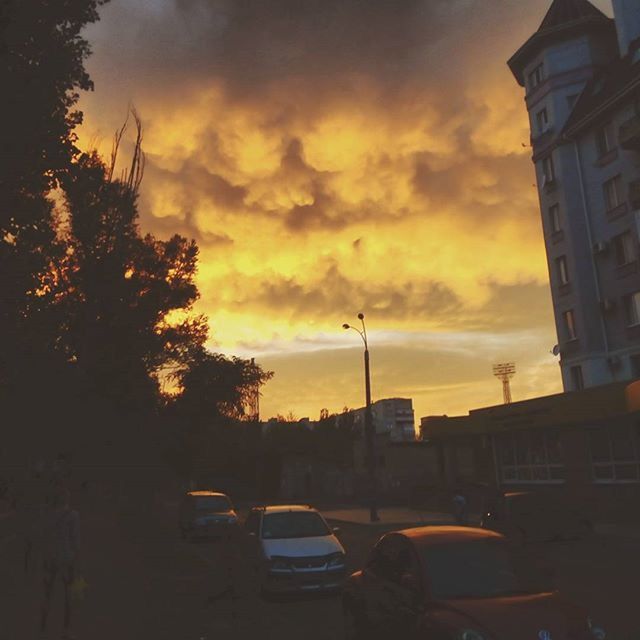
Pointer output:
388, 524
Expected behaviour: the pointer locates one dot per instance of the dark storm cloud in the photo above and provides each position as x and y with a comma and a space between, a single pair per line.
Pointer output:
333, 290
254, 43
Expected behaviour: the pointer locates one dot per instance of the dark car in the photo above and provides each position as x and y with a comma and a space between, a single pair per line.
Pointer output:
207, 513
456, 583
529, 516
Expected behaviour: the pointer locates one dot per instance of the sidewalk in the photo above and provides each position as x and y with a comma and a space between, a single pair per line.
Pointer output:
392, 517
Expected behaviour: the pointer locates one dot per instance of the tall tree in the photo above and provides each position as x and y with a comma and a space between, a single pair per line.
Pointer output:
42, 70
125, 289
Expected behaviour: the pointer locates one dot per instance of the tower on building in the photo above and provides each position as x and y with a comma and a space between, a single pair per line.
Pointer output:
581, 75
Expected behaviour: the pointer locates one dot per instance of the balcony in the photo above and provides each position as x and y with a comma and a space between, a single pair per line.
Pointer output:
629, 134
634, 194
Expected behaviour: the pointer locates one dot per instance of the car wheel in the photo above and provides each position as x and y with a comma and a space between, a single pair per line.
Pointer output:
354, 624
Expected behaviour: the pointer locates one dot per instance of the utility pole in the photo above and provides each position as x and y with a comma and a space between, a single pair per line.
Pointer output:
369, 432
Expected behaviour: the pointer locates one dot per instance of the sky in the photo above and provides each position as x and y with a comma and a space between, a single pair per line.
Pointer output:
332, 157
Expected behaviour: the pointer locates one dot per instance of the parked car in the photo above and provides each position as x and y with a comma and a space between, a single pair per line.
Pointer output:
295, 549
207, 514
534, 516
456, 583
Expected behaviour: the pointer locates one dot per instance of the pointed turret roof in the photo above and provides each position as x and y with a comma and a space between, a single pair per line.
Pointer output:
564, 19
563, 12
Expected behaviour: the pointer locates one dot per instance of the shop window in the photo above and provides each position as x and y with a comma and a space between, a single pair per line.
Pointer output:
615, 454
530, 457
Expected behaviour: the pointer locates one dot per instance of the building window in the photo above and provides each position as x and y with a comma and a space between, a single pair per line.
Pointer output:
615, 454
570, 325
555, 221
548, 172
542, 120
577, 379
632, 304
562, 270
530, 456
536, 77
613, 192
605, 139
624, 248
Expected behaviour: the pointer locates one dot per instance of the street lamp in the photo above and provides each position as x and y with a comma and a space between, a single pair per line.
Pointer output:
368, 423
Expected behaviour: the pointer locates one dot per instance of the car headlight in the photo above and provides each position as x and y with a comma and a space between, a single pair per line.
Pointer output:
596, 630
470, 634
336, 560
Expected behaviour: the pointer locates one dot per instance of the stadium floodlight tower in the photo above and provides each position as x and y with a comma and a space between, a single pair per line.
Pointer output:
505, 372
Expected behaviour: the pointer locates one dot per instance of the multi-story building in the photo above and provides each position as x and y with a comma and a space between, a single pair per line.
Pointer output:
393, 419
581, 73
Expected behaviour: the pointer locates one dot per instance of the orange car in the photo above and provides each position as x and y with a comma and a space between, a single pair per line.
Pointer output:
456, 583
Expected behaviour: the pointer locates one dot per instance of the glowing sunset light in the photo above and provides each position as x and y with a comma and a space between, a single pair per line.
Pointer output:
375, 159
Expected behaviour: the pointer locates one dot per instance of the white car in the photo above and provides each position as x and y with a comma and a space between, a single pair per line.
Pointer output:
296, 549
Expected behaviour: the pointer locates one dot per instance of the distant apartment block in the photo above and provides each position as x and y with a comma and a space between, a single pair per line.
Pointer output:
581, 74
392, 417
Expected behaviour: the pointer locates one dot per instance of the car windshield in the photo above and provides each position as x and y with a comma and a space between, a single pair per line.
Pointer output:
213, 503
293, 524
485, 569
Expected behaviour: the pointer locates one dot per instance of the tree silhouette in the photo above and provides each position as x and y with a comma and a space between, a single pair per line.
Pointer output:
214, 391
124, 289
41, 71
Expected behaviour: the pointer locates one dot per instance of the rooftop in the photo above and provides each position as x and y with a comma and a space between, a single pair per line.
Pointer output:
206, 493
612, 82
426, 536
593, 405
563, 12
564, 19
285, 508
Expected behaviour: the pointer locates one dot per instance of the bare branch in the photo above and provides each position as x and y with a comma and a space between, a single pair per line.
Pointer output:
117, 138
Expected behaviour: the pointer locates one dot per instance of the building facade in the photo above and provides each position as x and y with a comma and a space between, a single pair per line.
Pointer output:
583, 445
581, 74
393, 418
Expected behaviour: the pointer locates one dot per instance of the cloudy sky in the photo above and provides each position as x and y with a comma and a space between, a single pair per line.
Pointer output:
337, 156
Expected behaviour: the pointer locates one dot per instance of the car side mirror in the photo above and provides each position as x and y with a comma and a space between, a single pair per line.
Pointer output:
336, 531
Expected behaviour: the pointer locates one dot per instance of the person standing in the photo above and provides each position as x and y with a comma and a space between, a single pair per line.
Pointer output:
29, 508
460, 509
60, 537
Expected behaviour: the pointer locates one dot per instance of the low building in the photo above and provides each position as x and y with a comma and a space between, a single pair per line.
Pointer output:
585, 445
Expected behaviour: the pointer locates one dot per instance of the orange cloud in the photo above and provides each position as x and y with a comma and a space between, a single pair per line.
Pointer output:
336, 157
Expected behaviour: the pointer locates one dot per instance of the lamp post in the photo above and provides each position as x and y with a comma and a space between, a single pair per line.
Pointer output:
368, 424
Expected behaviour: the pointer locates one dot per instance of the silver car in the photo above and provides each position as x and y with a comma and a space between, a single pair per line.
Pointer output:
295, 549
207, 514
